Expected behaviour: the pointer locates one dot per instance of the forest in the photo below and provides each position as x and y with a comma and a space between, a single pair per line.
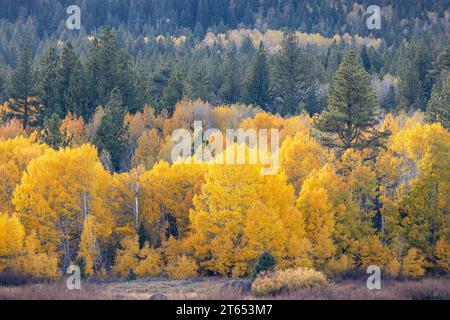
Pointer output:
86, 118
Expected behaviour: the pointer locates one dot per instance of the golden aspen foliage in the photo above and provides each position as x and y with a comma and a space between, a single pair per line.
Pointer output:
224, 211
76, 130
299, 155
288, 127
148, 148
417, 205
373, 252
57, 192
182, 267
126, 257
15, 154
168, 193
126, 192
11, 240
442, 253
318, 209
226, 117
93, 125
360, 175
139, 123
88, 245
12, 129
186, 112
36, 261
150, 262
173, 248
413, 264
144, 262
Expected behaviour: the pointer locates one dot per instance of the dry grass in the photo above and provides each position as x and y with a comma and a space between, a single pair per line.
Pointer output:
425, 289
196, 289
51, 291
217, 289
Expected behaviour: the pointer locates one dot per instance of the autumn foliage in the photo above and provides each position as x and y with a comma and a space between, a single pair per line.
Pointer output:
329, 212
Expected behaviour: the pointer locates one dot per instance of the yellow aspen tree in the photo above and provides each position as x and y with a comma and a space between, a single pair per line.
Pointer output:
413, 264
442, 254
139, 123
37, 262
373, 252
150, 262
317, 208
424, 205
58, 192
88, 245
127, 256
126, 198
11, 240
15, 154
11, 130
299, 155
226, 117
168, 194
236, 205
148, 148
76, 130
182, 267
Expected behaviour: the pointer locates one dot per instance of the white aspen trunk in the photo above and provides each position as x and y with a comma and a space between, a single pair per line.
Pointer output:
85, 206
136, 212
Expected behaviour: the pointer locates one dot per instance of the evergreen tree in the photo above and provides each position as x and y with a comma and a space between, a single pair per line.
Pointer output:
75, 97
441, 66
71, 83
2, 82
23, 79
438, 109
51, 133
111, 134
173, 92
198, 84
365, 59
349, 120
48, 82
333, 59
247, 47
390, 100
256, 86
109, 67
230, 89
291, 79
415, 85
158, 82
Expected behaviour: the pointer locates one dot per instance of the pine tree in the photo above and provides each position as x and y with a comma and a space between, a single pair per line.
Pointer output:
75, 97
111, 134
230, 89
198, 84
291, 80
71, 83
441, 64
173, 92
51, 133
23, 78
365, 59
247, 47
48, 82
349, 120
438, 109
109, 67
256, 86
